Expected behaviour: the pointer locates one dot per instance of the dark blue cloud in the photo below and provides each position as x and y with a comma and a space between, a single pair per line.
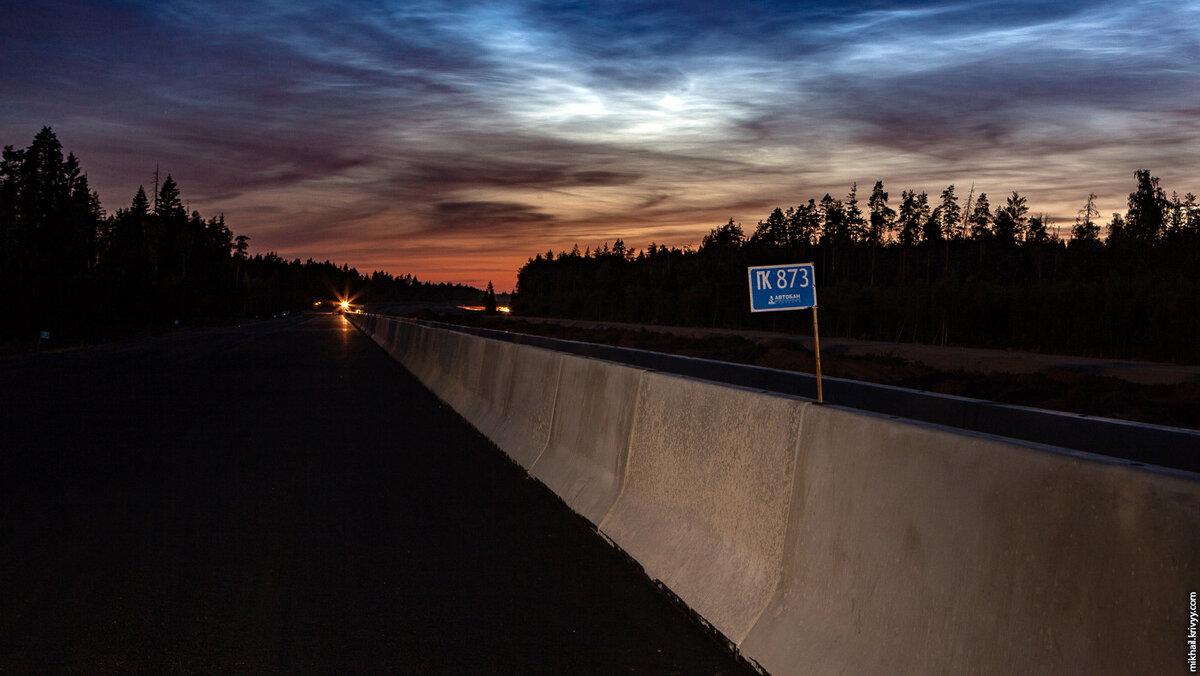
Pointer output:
315, 124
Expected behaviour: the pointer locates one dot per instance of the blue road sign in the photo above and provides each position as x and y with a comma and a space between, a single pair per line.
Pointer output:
782, 287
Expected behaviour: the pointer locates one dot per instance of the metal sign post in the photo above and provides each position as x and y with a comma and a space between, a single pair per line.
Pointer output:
775, 288
817, 350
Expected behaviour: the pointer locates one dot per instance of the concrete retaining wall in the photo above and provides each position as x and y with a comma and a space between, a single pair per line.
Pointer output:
1151, 444
822, 540
528, 411
706, 493
478, 377
913, 549
584, 461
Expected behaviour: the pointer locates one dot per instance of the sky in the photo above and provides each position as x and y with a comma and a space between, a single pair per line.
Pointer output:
454, 140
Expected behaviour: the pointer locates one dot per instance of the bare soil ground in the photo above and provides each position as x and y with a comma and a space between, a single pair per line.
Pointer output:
1060, 388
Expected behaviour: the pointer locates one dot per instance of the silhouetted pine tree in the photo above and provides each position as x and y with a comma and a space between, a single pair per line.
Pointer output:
1145, 220
1026, 289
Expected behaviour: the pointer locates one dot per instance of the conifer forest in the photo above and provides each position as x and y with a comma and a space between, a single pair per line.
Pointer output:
951, 269
67, 265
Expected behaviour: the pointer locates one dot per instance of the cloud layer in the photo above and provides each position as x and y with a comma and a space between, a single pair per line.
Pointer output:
453, 140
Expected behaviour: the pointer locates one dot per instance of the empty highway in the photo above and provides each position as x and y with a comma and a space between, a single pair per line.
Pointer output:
284, 497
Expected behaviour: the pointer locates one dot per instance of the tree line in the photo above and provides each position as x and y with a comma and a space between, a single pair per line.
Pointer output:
941, 270
66, 264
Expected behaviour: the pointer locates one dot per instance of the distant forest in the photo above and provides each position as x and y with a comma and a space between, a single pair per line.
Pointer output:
947, 271
67, 265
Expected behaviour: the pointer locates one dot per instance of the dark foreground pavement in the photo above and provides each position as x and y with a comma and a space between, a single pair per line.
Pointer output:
283, 497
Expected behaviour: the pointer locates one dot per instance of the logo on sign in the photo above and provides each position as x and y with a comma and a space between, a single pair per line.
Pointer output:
782, 287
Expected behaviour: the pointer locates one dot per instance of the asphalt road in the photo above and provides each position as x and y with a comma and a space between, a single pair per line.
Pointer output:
283, 497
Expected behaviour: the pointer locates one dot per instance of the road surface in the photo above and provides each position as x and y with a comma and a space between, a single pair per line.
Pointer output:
284, 497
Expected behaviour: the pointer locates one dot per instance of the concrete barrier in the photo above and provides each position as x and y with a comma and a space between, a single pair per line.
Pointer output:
584, 460
369, 325
397, 337
822, 540
448, 350
529, 411
399, 340
1169, 447
473, 376
706, 492
506, 391
918, 550
413, 352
